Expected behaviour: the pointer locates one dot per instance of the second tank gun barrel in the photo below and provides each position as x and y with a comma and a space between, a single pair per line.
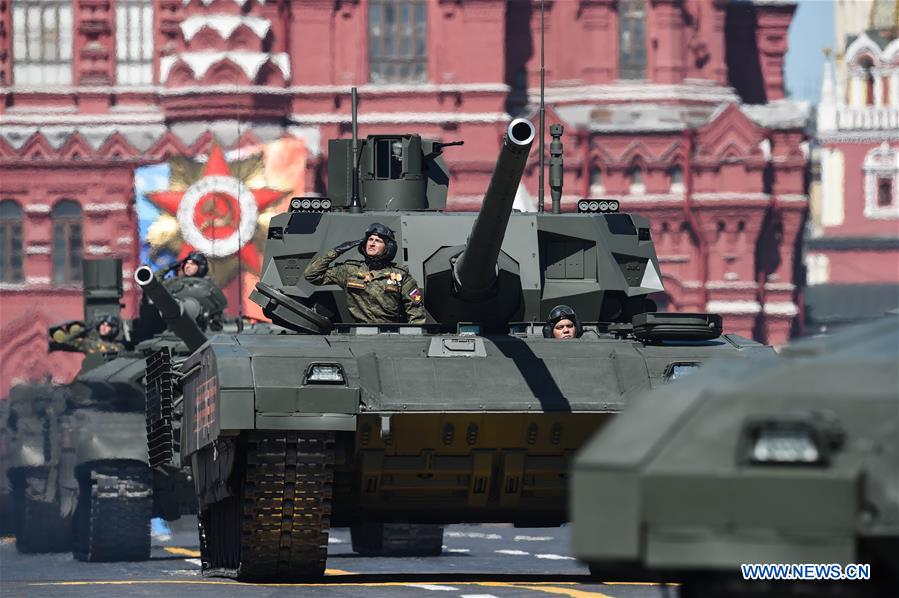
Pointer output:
176, 314
475, 269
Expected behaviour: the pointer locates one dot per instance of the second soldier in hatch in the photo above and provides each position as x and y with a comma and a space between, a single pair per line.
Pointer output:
191, 280
100, 338
377, 290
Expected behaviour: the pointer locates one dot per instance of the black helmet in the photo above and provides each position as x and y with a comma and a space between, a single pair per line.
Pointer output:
561, 312
386, 235
113, 322
200, 260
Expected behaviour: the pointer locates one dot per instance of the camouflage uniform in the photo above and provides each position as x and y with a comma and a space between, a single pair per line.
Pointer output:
91, 342
388, 294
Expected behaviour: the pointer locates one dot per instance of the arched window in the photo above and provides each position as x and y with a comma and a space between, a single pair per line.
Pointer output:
868, 67
632, 39
636, 178
10, 241
676, 179
397, 41
881, 168
596, 186
66, 242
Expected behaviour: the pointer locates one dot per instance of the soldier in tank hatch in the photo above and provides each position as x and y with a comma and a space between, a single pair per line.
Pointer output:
191, 280
195, 264
562, 324
377, 290
100, 338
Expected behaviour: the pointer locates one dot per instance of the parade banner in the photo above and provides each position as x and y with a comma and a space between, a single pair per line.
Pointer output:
220, 205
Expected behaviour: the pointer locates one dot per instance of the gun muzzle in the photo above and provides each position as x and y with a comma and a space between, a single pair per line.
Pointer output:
176, 317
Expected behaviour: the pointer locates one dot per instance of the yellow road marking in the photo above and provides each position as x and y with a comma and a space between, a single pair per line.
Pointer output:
182, 551
549, 589
196, 553
640, 583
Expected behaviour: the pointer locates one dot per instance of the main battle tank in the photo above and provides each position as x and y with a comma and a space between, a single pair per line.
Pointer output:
787, 460
472, 417
78, 466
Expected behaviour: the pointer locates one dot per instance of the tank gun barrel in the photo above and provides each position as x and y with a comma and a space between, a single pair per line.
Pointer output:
475, 269
175, 314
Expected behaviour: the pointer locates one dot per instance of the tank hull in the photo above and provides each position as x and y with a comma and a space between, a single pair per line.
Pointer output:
422, 429
683, 487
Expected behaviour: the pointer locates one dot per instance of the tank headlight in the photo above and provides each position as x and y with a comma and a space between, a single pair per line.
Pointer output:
316, 204
306, 204
788, 445
326, 204
594, 206
807, 438
613, 206
324, 373
296, 204
583, 206
676, 371
603, 206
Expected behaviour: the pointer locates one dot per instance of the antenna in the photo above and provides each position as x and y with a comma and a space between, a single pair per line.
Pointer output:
355, 204
542, 116
239, 240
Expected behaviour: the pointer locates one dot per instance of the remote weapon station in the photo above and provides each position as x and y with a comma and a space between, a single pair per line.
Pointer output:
470, 417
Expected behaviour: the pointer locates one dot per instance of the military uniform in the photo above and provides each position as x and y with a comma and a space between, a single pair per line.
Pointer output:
199, 287
91, 342
388, 294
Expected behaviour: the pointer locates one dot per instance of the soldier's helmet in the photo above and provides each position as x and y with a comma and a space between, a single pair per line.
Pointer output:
113, 323
200, 260
562, 312
386, 235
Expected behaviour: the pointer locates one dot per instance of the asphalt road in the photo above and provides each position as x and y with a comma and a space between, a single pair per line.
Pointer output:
478, 561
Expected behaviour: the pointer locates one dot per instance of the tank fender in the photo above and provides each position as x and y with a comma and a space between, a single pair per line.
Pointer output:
218, 391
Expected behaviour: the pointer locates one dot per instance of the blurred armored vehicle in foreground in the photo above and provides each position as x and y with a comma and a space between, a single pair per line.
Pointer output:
471, 417
78, 466
792, 459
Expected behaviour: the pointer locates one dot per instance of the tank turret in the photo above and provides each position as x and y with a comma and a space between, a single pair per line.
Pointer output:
179, 316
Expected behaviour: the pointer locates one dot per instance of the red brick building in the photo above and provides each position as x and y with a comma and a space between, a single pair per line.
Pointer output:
852, 253
674, 106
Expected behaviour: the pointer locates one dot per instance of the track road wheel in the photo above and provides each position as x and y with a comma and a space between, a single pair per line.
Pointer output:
38, 524
276, 528
112, 520
397, 539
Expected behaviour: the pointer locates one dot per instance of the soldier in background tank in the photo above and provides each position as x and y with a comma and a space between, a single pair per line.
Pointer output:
79, 462
562, 324
190, 283
790, 459
377, 290
472, 417
99, 338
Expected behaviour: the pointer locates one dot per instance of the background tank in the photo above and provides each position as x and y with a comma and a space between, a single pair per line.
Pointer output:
472, 417
78, 465
790, 459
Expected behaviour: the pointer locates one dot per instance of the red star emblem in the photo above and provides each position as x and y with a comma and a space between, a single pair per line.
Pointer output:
217, 213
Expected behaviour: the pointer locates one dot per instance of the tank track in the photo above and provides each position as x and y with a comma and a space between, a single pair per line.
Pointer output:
277, 528
112, 521
38, 524
397, 539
